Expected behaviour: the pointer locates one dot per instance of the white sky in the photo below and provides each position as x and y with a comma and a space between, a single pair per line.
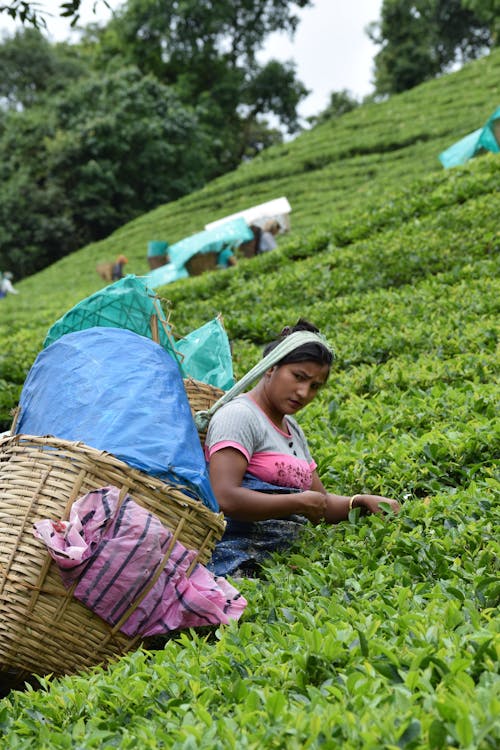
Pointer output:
331, 49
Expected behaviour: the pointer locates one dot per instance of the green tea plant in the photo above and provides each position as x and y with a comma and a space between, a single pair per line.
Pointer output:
375, 633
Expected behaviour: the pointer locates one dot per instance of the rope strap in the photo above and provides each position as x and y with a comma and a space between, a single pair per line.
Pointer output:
289, 344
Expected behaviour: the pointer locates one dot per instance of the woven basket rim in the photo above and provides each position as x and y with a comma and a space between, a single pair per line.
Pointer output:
199, 385
102, 456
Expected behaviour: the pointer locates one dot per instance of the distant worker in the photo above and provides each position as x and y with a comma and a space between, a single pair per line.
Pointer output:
112, 271
226, 258
117, 270
266, 241
6, 285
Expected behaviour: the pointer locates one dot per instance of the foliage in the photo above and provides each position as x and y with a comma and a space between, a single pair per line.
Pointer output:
372, 633
32, 68
208, 52
30, 12
61, 162
340, 103
489, 12
421, 39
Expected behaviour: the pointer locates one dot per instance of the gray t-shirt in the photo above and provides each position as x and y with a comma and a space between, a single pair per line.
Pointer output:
273, 455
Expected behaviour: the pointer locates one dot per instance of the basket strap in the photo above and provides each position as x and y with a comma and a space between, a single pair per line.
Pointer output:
287, 345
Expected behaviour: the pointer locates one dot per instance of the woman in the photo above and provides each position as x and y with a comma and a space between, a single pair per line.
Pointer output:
6, 286
266, 241
260, 465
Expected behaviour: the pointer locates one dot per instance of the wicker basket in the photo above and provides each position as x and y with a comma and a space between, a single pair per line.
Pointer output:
201, 397
43, 628
201, 262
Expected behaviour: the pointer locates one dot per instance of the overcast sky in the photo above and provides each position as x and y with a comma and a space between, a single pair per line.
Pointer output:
331, 49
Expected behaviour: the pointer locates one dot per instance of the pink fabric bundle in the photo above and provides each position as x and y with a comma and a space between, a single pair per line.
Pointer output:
113, 551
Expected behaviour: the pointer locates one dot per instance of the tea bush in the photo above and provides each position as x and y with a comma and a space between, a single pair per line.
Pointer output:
372, 633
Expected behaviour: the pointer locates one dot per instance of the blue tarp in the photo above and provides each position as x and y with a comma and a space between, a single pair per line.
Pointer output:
482, 139
231, 234
117, 391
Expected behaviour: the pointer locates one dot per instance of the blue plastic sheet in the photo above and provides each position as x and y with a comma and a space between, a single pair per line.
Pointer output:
120, 392
231, 234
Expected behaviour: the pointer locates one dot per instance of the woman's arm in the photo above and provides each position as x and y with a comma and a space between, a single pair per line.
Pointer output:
227, 468
337, 506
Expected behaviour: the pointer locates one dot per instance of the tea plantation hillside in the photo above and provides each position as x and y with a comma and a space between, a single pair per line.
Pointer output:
336, 176
375, 633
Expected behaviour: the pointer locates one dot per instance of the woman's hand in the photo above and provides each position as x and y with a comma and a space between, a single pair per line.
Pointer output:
372, 503
314, 505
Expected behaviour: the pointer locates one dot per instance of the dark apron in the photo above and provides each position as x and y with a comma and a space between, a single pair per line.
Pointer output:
246, 544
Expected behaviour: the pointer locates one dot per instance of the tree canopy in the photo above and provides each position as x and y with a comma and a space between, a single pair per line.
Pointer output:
419, 39
29, 11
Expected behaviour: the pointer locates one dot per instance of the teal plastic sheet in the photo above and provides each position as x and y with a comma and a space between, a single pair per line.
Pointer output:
128, 303
166, 274
206, 355
117, 391
157, 247
482, 139
231, 234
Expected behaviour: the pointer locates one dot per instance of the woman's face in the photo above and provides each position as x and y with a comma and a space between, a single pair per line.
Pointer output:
291, 387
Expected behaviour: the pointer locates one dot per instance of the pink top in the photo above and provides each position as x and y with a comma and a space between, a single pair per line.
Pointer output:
273, 455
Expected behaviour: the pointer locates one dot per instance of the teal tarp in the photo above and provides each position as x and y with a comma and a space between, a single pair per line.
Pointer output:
128, 303
231, 234
157, 247
207, 355
482, 139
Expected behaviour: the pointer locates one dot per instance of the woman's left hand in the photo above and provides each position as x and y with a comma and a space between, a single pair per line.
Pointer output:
374, 503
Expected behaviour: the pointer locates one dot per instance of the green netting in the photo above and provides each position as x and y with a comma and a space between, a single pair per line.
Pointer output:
128, 303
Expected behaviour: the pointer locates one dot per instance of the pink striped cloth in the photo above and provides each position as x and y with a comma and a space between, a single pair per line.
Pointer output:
113, 551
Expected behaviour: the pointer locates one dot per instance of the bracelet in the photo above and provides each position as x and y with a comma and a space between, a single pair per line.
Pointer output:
351, 501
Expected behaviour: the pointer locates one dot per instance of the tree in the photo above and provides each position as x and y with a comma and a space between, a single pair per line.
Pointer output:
83, 163
29, 12
420, 39
33, 68
208, 51
340, 103
487, 11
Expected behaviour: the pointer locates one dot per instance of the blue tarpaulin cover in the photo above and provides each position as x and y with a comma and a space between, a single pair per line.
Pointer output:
117, 391
231, 234
482, 139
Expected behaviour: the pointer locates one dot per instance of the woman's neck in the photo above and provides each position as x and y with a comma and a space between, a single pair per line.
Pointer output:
258, 394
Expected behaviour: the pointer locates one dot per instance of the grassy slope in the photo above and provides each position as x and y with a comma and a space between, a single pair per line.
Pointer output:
370, 634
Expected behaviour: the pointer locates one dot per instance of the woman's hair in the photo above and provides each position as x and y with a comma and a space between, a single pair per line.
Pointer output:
311, 352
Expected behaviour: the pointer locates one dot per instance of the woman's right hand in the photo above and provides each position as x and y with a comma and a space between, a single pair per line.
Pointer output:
313, 505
